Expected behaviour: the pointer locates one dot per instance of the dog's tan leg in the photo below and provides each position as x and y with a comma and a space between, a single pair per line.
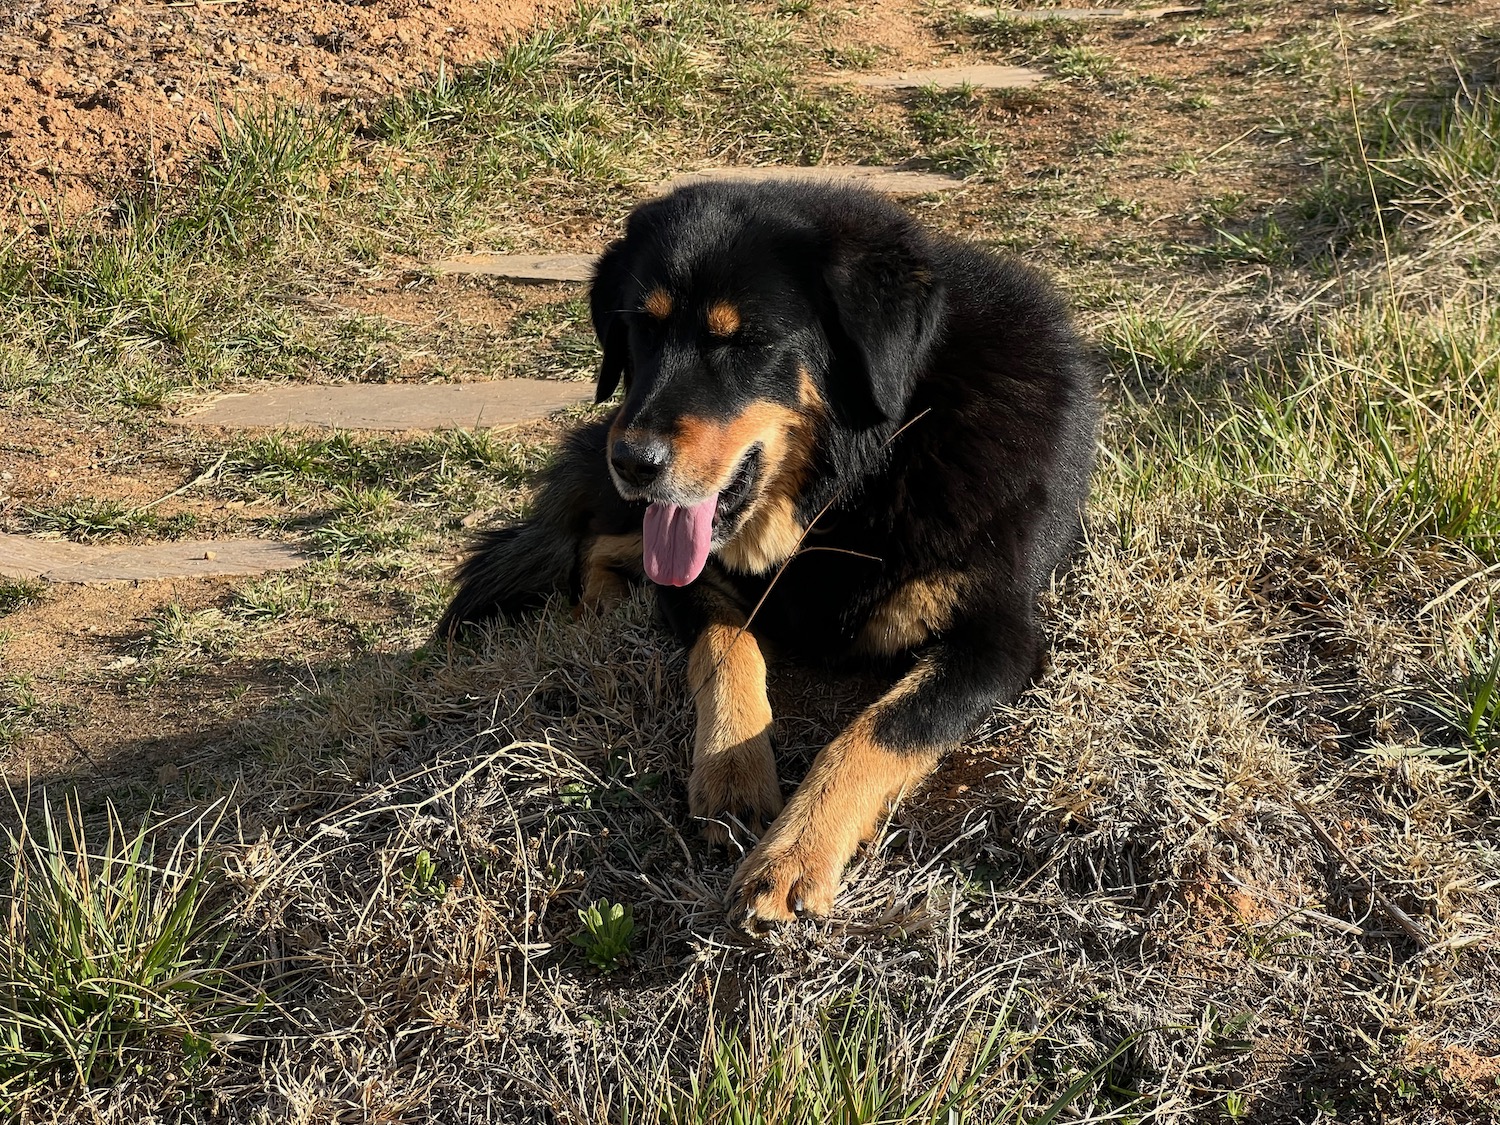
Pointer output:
734, 771
982, 659
795, 869
604, 558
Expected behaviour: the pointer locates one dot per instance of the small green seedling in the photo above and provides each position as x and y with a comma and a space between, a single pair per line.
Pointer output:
423, 879
605, 939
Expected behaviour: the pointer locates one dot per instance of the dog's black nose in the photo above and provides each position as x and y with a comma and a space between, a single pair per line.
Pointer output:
636, 463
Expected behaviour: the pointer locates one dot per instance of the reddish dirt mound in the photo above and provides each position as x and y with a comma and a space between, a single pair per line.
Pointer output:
93, 91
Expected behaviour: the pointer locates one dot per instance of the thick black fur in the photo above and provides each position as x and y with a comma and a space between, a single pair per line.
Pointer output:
958, 433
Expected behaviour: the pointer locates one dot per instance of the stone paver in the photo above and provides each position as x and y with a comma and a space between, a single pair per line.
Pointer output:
519, 267
1037, 15
394, 406
985, 77
21, 556
57, 561
580, 267
890, 181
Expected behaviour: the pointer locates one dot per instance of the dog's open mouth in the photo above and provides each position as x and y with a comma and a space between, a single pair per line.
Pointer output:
736, 494
676, 539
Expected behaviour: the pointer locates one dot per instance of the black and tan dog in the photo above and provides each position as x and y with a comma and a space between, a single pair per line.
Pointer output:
839, 434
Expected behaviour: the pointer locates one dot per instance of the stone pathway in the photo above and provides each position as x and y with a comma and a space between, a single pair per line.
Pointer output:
57, 560
889, 181
1039, 15
519, 267
507, 402
985, 77
393, 406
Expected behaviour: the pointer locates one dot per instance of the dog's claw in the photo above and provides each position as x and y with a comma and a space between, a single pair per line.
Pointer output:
784, 881
747, 921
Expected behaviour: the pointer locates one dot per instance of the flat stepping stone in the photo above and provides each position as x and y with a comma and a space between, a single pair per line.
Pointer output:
21, 556
985, 77
53, 560
1039, 15
580, 267
519, 267
393, 406
890, 181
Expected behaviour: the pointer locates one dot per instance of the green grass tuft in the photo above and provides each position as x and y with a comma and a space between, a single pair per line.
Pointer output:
1396, 411
178, 635
1410, 165
1083, 63
131, 310
950, 127
20, 707
90, 520
18, 593
1158, 348
1467, 708
1024, 38
605, 937
111, 951
270, 176
295, 466
851, 1069
613, 98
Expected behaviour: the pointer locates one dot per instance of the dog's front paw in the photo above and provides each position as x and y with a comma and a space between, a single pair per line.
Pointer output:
734, 787
789, 875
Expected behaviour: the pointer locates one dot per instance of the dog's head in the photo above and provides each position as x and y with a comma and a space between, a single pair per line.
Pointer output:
743, 320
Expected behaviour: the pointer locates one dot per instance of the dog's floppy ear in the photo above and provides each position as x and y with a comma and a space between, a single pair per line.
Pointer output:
607, 301
888, 309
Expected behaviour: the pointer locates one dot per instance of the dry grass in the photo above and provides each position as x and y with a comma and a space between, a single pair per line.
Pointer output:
1234, 858
1121, 861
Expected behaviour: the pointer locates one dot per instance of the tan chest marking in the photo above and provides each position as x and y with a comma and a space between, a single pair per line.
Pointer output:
911, 615
768, 537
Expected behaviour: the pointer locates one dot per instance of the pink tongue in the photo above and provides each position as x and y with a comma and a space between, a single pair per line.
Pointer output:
676, 541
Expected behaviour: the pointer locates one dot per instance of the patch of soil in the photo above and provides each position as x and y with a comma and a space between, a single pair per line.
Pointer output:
1471, 1072
76, 649
96, 91
110, 709
901, 34
454, 327
46, 462
430, 305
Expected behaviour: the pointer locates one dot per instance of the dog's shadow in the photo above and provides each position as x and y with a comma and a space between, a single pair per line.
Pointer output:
536, 768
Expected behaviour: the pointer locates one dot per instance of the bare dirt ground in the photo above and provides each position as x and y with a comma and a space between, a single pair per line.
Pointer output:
96, 92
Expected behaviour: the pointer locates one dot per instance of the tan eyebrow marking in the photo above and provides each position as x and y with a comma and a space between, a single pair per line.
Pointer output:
723, 319
659, 303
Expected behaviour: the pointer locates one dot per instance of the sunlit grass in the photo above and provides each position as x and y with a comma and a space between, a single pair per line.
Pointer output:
852, 1067
112, 949
1392, 411
1414, 164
